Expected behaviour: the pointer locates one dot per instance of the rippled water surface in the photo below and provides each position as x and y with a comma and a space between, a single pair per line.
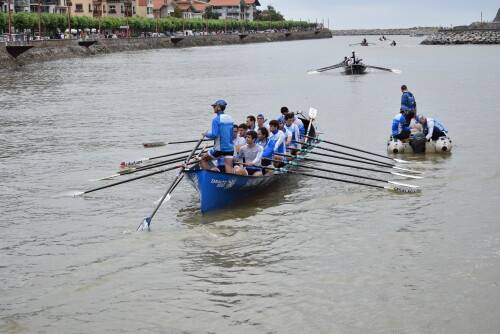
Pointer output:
312, 256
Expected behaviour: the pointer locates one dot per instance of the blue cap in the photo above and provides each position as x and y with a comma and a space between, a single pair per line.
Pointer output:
221, 103
260, 115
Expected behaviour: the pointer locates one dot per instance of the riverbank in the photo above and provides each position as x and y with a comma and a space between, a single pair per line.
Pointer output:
379, 32
465, 36
60, 49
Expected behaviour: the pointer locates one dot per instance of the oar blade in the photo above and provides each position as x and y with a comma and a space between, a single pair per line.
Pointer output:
145, 225
403, 187
408, 170
407, 176
401, 161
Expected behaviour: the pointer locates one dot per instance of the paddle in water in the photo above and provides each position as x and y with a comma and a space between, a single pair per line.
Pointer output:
146, 223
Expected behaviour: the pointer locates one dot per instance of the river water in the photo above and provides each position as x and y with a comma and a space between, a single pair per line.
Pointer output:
311, 256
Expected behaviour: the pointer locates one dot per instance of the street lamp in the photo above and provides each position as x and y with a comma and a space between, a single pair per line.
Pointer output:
68, 5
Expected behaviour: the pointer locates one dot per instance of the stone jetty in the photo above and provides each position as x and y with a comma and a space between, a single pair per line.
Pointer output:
47, 50
465, 36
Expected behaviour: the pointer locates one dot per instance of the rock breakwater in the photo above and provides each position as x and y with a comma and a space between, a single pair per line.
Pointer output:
466, 36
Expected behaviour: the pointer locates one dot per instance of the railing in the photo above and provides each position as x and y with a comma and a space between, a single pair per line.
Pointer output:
17, 39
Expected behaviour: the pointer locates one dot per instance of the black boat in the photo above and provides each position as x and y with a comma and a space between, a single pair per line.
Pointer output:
359, 68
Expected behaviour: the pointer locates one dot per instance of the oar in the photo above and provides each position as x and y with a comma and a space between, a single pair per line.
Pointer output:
143, 160
385, 69
355, 44
367, 162
298, 158
394, 186
147, 221
128, 180
133, 170
296, 164
362, 151
323, 69
160, 143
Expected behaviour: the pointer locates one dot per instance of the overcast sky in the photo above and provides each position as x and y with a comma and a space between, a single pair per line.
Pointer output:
354, 14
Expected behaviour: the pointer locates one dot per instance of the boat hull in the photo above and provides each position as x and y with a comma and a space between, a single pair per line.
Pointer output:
355, 69
220, 190
443, 145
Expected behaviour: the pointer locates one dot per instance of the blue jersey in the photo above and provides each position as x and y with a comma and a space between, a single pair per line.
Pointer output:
399, 124
294, 130
431, 125
275, 144
222, 132
408, 102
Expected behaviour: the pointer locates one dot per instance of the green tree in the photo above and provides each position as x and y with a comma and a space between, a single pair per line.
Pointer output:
210, 14
177, 12
269, 14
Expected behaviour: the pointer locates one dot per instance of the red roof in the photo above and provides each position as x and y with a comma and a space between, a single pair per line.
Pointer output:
223, 3
183, 5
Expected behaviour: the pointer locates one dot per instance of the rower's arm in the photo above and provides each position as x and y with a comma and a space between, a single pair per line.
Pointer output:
258, 158
430, 127
214, 133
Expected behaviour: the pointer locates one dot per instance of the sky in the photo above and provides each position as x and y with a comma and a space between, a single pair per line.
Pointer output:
359, 14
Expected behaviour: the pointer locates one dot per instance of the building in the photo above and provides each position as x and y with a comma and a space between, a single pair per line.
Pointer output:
117, 8
496, 20
235, 9
145, 8
190, 9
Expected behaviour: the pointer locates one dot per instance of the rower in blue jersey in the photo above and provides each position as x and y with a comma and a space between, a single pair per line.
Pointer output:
284, 111
433, 128
408, 104
400, 129
293, 129
297, 121
275, 144
262, 137
222, 134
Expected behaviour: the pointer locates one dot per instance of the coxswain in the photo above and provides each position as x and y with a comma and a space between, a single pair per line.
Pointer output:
433, 129
222, 134
250, 157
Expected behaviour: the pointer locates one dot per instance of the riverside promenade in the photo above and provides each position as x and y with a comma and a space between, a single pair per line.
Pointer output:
48, 50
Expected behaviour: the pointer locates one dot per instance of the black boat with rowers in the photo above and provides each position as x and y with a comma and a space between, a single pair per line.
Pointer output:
353, 65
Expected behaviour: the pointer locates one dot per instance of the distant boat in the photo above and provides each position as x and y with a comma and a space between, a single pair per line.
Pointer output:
359, 68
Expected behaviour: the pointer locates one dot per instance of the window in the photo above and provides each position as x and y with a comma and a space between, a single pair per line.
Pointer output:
149, 10
90, 7
79, 8
133, 10
122, 10
112, 9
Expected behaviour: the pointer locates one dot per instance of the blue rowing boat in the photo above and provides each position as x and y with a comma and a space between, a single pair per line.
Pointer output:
220, 190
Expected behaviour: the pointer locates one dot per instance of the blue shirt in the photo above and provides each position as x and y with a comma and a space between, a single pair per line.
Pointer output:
222, 132
408, 102
276, 143
399, 124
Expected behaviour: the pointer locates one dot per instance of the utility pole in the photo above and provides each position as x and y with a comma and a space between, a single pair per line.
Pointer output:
39, 19
10, 21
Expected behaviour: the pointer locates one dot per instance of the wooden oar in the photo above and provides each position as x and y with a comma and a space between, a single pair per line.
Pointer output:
147, 221
299, 158
384, 69
362, 151
324, 69
143, 160
160, 143
296, 164
132, 170
366, 162
129, 180
394, 186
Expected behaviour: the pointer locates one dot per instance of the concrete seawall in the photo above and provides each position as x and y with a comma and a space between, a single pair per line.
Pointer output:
60, 49
466, 36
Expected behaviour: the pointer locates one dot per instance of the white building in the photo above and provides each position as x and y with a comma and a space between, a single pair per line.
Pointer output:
233, 9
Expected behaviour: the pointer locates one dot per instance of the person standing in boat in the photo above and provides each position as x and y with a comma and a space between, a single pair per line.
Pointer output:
222, 134
408, 104
250, 156
433, 129
400, 129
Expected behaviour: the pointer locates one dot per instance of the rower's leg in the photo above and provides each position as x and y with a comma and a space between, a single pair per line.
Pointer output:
228, 164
